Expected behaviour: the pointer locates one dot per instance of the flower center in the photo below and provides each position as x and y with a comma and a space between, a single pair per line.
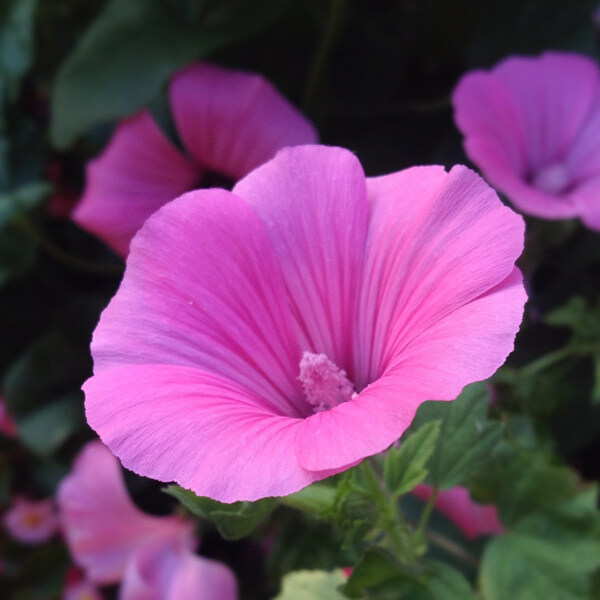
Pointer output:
324, 383
32, 520
553, 179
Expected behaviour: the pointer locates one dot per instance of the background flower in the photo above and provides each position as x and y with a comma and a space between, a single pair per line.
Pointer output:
533, 127
229, 122
403, 287
31, 521
102, 526
455, 503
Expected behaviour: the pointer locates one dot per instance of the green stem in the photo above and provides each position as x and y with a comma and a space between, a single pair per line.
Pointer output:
321, 58
426, 513
554, 357
386, 509
61, 255
453, 548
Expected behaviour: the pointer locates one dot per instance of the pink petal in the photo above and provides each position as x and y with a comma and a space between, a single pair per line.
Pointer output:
232, 121
313, 202
165, 573
467, 345
82, 590
528, 115
586, 198
473, 519
436, 242
200, 430
31, 522
203, 290
139, 171
554, 94
102, 526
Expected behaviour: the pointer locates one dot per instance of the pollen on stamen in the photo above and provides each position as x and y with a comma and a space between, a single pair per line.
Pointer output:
325, 384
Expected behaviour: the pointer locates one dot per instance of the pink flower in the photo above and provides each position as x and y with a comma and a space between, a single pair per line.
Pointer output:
30, 521
473, 519
532, 125
102, 526
266, 338
81, 590
167, 573
7, 425
229, 123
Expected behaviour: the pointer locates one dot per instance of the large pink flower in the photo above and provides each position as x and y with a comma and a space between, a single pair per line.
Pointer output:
533, 127
268, 337
172, 573
229, 123
102, 526
473, 519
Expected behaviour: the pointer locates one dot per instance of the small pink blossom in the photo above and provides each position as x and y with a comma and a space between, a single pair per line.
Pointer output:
102, 526
208, 359
30, 521
473, 519
7, 425
173, 573
82, 589
229, 122
532, 125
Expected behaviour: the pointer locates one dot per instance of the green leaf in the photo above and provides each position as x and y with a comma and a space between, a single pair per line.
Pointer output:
133, 47
537, 560
234, 521
46, 429
17, 253
354, 509
317, 499
16, 41
379, 576
404, 467
466, 436
312, 585
21, 200
376, 572
444, 583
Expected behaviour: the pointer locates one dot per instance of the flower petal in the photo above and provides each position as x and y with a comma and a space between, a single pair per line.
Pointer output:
231, 121
102, 526
202, 288
467, 345
436, 242
554, 94
205, 432
313, 202
139, 171
472, 519
586, 198
164, 573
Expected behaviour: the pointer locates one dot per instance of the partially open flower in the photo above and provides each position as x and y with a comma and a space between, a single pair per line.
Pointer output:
229, 122
102, 526
472, 519
265, 338
172, 573
30, 521
532, 125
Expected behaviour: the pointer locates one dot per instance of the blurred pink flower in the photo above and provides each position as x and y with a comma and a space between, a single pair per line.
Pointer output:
473, 519
266, 338
30, 521
7, 425
173, 573
102, 526
229, 123
81, 590
532, 125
